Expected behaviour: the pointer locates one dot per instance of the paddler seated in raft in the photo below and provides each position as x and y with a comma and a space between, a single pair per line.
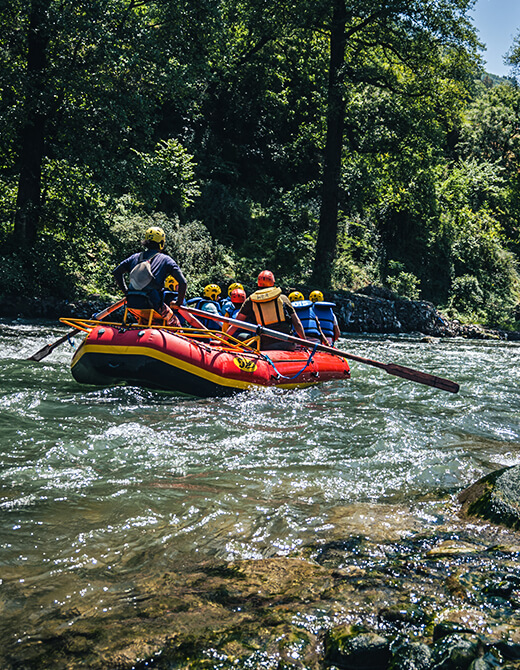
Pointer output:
269, 307
237, 297
209, 302
326, 317
304, 310
147, 272
226, 304
170, 295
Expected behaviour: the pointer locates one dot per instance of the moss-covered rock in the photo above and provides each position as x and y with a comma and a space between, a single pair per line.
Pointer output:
495, 497
351, 650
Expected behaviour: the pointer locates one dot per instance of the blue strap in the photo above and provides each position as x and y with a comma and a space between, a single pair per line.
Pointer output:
71, 341
279, 374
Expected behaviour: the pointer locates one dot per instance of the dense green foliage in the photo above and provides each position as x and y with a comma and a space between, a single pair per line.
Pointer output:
334, 141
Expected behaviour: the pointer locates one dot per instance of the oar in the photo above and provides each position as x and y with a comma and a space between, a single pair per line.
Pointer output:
391, 368
48, 348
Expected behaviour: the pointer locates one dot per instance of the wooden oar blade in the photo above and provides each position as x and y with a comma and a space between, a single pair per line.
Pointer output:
422, 377
49, 348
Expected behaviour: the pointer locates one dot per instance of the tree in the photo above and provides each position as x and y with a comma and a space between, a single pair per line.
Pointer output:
32, 134
84, 86
394, 45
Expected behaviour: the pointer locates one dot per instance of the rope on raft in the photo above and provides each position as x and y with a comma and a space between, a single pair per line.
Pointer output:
279, 374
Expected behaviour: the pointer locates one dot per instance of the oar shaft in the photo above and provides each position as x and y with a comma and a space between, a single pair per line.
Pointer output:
390, 368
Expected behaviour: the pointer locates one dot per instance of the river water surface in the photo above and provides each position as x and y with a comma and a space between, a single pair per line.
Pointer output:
96, 478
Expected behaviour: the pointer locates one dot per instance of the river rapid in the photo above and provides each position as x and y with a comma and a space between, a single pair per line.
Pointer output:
99, 485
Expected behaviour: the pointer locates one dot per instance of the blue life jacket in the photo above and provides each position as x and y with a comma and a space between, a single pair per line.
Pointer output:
323, 310
225, 305
200, 303
305, 311
232, 311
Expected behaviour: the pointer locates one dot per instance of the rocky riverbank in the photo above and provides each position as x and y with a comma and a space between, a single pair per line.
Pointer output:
410, 601
369, 310
377, 310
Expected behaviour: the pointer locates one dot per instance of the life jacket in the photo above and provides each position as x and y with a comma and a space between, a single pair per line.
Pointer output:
325, 315
225, 305
232, 313
268, 307
200, 303
305, 311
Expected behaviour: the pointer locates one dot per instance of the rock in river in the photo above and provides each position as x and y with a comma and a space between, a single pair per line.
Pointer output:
495, 497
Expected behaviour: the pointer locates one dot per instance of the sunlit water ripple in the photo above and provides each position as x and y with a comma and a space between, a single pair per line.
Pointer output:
96, 477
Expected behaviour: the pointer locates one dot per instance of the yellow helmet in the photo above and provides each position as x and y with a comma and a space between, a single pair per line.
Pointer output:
295, 295
212, 291
231, 287
155, 235
316, 296
170, 283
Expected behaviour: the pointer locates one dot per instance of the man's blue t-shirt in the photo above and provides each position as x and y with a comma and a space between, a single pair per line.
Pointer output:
161, 266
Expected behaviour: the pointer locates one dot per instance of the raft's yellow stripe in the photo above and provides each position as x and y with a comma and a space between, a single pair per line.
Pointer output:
176, 363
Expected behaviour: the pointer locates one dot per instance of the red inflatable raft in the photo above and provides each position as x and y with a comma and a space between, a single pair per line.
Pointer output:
194, 363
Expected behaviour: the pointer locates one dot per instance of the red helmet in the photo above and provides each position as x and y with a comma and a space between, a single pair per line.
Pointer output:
237, 296
266, 278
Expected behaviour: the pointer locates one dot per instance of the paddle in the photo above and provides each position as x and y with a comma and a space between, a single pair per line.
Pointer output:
391, 368
48, 348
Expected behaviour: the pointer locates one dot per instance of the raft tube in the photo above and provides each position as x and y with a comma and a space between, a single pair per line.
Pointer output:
161, 359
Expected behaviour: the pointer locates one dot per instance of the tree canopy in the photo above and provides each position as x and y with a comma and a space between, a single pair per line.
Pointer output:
336, 142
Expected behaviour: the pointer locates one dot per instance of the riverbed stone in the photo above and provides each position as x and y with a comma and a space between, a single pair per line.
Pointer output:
353, 651
452, 548
447, 628
281, 612
495, 497
457, 651
487, 662
411, 656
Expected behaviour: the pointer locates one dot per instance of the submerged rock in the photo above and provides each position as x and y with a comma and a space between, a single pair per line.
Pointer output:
457, 652
411, 656
495, 497
352, 651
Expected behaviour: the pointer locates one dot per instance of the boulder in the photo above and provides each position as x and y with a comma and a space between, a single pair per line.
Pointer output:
495, 497
350, 650
411, 656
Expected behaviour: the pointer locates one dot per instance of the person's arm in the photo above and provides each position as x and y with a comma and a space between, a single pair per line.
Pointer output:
289, 311
244, 314
337, 331
119, 273
297, 325
174, 270
322, 334
181, 293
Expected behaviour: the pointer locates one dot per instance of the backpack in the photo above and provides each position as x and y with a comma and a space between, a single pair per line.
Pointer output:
141, 276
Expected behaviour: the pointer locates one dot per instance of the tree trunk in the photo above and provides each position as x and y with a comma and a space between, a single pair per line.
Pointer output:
328, 226
32, 136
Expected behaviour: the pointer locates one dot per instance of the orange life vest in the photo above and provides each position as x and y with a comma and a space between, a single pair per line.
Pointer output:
268, 306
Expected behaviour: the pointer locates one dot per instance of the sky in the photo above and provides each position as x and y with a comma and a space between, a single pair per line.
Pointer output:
497, 22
